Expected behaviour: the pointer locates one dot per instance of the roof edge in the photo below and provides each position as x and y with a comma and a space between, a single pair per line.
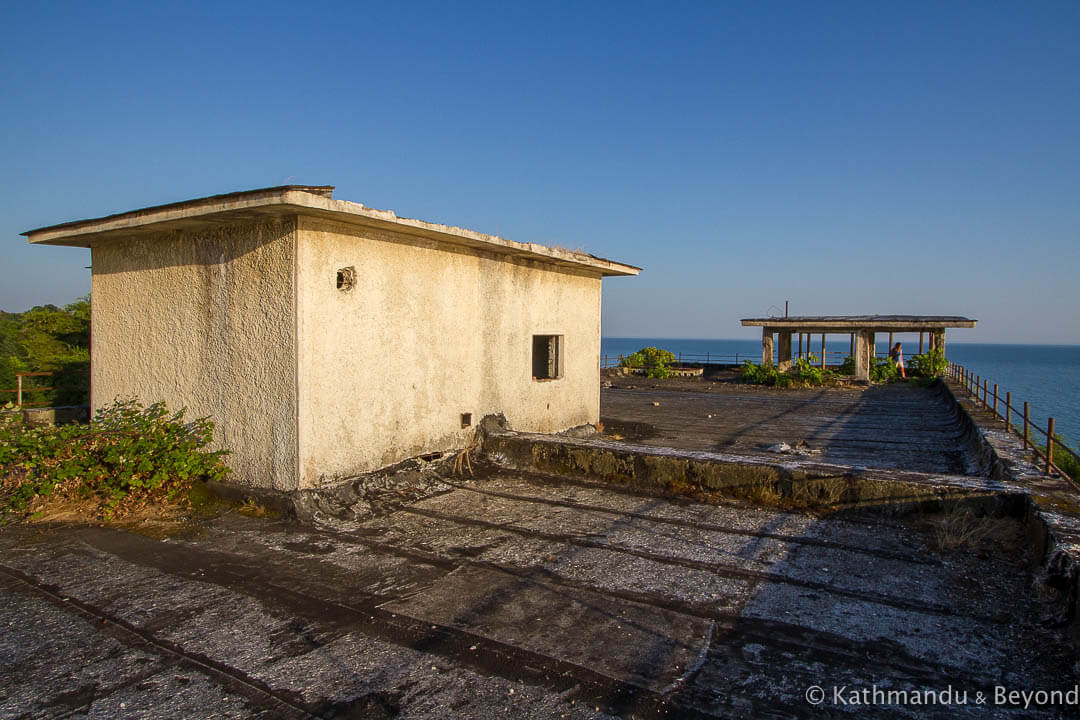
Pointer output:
316, 200
322, 190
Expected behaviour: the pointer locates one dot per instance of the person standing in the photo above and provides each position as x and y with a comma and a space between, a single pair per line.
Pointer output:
897, 355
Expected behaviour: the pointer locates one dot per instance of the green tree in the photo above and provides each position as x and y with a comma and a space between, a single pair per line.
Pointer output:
48, 338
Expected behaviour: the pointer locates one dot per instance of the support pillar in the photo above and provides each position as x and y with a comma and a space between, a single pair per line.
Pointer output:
784, 351
937, 340
864, 353
822, 349
766, 347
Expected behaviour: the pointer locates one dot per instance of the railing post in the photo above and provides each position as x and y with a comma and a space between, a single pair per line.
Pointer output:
18, 390
1008, 411
1049, 445
995, 400
1027, 431
986, 388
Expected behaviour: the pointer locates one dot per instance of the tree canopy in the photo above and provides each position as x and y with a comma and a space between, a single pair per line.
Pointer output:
52, 339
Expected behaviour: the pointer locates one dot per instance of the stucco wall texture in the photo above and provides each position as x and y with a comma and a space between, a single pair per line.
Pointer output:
308, 383
205, 320
430, 332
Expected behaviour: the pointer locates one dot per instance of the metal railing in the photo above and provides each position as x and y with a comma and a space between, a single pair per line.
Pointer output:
21, 388
990, 399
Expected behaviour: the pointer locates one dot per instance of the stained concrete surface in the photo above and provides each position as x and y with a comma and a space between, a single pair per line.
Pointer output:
892, 426
523, 596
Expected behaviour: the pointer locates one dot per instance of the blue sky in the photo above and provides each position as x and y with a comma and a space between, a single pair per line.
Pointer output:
850, 157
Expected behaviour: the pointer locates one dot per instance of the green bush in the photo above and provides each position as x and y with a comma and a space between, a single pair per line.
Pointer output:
755, 374
128, 456
653, 360
884, 370
1064, 459
848, 366
931, 364
804, 371
808, 371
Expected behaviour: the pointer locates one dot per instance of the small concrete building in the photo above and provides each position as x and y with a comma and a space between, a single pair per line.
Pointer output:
327, 339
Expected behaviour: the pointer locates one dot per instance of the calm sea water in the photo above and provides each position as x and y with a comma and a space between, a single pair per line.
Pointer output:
1047, 376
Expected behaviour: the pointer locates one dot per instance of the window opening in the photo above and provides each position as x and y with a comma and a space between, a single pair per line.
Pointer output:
546, 357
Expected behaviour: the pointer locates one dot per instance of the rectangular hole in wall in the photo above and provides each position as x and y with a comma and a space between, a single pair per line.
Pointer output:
547, 357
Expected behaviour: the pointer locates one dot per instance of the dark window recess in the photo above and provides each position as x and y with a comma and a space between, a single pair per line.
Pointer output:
466, 419
546, 357
346, 278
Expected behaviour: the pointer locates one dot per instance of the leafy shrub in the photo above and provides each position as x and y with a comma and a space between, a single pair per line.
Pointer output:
808, 371
654, 360
755, 374
930, 364
127, 457
848, 366
884, 370
804, 371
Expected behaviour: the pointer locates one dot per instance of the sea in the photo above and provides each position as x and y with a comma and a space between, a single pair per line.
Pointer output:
1046, 376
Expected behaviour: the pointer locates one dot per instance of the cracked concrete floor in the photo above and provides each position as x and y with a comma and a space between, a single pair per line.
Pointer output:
521, 596
899, 426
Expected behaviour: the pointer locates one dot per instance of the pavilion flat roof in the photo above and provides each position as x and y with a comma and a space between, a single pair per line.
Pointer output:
848, 323
308, 200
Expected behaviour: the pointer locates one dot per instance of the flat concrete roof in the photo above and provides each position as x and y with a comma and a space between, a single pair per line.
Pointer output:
846, 323
308, 200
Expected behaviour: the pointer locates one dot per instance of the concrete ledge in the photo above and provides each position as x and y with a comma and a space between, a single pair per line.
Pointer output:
1052, 504
51, 416
797, 483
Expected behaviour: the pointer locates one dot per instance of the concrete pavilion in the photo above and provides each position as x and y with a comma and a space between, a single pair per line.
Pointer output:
861, 328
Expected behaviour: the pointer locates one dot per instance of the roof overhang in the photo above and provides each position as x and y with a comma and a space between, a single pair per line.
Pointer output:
852, 323
306, 200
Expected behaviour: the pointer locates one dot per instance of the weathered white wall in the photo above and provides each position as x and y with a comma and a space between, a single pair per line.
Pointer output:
206, 319
386, 369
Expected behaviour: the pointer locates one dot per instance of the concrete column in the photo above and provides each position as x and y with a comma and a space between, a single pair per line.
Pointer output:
937, 340
864, 348
822, 348
766, 347
784, 351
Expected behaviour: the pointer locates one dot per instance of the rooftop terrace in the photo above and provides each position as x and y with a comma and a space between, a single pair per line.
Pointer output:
670, 567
